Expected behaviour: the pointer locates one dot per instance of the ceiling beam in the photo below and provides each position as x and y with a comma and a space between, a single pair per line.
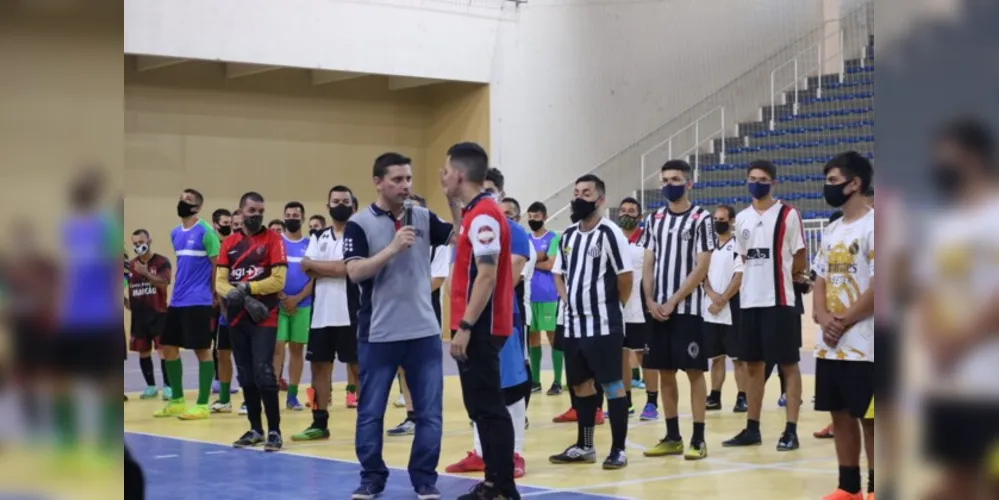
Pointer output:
146, 63
323, 76
408, 82
239, 70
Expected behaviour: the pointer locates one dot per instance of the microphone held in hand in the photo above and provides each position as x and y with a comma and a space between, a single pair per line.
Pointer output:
407, 212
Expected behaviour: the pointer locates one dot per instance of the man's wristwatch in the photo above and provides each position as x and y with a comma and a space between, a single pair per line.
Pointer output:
464, 325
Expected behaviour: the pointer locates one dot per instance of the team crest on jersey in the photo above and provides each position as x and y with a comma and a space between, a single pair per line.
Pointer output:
686, 235
745, 234
486, 235
594, 251
322, 246
261, 250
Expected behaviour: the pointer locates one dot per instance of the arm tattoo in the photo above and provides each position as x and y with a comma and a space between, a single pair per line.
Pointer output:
486, 260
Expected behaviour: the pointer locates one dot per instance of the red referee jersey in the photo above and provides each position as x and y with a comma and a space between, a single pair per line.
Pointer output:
484, 231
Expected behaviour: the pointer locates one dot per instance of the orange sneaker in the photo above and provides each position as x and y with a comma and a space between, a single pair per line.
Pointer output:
520, 466
600, 417
826, 433
568, 416
351, 400
471, 463
842, 495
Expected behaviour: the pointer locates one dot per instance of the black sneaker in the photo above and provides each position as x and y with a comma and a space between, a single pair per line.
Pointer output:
250, 439
555, 389
744, 438
616, 460
713, 405
535, 388
367, 492
527, 422
788, 442
740, 406
274, 441
575, 455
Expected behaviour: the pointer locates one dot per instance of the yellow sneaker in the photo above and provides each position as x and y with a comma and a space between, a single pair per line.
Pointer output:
196, 412
665, 448
696, 452
172, 409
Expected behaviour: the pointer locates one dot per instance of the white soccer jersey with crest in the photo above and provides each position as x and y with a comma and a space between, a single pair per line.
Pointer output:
768, 241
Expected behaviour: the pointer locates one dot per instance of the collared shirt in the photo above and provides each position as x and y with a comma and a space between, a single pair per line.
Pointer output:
395, 304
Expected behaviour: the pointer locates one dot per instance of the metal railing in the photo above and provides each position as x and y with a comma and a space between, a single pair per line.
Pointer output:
809, 62
698, 141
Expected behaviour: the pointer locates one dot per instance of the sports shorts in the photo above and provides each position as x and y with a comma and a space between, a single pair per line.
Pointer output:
294, 328
543, 316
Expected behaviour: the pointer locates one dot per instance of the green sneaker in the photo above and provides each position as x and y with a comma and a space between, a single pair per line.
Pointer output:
311, 434
150, 393
697, 451
665, 448
174, 408
196, 412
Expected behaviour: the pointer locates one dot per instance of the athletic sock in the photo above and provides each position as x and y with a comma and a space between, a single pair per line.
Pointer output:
627, 394
175, 373
112, 420
272, 409
753, 426
586, 415
557, 358
163, 372
870, 481
698, 436
411, 416
320, 419
292, 391
64, 410
791, 428
251, 396
224, 388
573, 400
146, 365
653, 398
849, 479
636, 374
673, 429
535, 355
618, 411
350, 388
206, 371
715, 396
215, 359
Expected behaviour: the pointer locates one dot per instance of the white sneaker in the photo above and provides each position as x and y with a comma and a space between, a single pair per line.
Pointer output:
220, 407
242, 409
400, 402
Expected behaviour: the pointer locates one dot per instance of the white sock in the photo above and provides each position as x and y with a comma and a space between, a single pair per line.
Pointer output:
518, 413
478, 442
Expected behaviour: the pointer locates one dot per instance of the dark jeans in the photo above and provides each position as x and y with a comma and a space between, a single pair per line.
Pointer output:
135, 483
483, 396
253, 350
379, 364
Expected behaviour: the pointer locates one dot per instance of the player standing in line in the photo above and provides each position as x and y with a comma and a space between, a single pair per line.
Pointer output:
189, 317
770, 238
223, 345
544, 298
595, 278
511, 207
149, 277
316, 223
678, 243
629, 213
721, 312
843, 306
296, 304
222, 223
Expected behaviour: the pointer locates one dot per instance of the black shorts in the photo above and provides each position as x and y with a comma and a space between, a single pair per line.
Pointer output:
770, 335
332, 343
676, 344
721, 340
223, 339
558, 342
844, 386
963, 434
146, 327
887, 346
596, 358
90, 353
635, 336
514, 394
188, 327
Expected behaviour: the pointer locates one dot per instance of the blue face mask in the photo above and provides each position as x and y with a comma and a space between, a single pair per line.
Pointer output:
674, 193
759, 190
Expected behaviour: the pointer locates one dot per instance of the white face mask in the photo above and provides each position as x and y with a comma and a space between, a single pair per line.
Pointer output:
496, 197
141, 249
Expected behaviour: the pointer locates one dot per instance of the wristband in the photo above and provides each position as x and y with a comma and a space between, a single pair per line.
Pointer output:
464, 325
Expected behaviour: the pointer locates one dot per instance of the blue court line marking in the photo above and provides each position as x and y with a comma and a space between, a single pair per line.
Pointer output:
185, 468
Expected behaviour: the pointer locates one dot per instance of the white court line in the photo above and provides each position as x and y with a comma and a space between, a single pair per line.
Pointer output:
161, 457
215, 452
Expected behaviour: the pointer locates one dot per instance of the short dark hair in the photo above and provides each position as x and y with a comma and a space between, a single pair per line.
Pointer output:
835, 216
199, 199
538, 208
140, 231
764, 165
386, 160
339, 188
973, 135
496, 177
729, 209
219, 213
319, 218
295, 204
237, 213
276, 222
601, 187
680, 165
419, 199
353, 201
471, 158
250, 196
632, 201
512, 201
853, 164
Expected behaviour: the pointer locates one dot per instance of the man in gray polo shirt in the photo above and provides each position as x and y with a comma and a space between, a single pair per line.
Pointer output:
397, 326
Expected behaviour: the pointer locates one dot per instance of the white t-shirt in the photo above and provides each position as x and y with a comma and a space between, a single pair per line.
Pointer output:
329, 308
528, 273
725, 264
768, 242
846, 263
633, 312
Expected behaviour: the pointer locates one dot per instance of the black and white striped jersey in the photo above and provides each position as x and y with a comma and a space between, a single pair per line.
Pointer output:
590, 263
675, 240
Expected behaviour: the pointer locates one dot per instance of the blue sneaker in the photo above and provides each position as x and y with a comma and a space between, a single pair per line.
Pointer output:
782, 402
638, 385
292, 404
650, 413
427, 493
367, 492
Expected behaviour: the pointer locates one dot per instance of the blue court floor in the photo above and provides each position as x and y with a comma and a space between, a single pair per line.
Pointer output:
179, 469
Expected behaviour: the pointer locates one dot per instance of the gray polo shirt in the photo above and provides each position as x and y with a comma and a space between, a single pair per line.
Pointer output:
395, 303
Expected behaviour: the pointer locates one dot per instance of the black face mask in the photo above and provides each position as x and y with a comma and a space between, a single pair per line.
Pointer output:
722, 227
582, 209
947, 180
835, 194
536, 225
341, 213
185, 209
293, 225
315, 232
225, 230
253, 223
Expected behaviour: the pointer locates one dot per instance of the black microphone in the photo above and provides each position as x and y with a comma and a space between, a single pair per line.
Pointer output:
407, 213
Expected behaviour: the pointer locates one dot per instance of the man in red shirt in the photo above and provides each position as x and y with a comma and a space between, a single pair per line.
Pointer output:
148, 278
482, 314
251, 271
